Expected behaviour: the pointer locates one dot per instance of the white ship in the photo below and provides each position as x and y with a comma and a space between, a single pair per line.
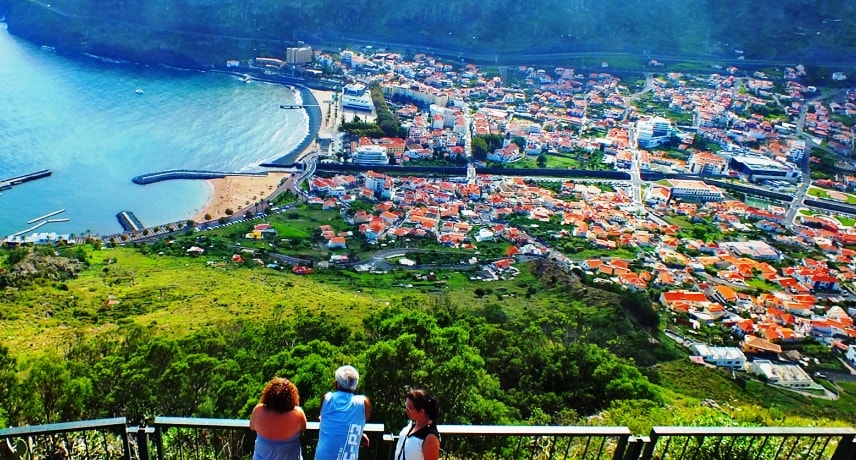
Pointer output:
356, 96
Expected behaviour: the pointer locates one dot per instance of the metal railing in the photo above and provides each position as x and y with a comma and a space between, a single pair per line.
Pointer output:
178, 438
767, 443
104, 438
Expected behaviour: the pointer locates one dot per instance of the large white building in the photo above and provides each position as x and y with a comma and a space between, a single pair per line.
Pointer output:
695, 190
300, 55
787, 375
758, 168
730, 357
653, 132
370, 155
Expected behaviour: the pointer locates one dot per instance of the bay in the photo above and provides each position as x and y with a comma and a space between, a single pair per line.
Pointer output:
81, 117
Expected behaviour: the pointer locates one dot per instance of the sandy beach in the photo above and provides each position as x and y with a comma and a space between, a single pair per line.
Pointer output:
238, 192
329, 124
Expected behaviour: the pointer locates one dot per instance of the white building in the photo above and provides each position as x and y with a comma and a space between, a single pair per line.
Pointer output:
787, 375
730, 357
653, 132
758, 168
370, 155
300, 55
695, 190
850, 354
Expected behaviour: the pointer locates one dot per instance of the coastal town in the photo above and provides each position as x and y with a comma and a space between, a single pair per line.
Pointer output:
723, 195
768, 272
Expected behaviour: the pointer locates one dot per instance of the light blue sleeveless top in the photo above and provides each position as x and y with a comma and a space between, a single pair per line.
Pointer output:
343, 416
286, 449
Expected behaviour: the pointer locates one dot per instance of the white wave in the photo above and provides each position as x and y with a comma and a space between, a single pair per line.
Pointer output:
106, 59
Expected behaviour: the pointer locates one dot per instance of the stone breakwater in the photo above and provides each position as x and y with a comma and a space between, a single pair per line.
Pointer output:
171, 174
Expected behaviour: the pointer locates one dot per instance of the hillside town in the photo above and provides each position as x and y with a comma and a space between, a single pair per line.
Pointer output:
769, 273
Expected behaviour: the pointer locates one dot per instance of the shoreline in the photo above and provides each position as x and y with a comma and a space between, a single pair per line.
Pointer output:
239, 192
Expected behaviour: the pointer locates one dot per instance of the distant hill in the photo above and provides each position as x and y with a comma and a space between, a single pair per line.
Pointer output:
206, 32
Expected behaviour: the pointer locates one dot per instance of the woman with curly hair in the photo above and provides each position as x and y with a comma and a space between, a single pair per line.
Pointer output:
278, 421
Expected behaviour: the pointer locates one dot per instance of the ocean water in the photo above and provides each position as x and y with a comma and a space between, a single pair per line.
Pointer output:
81, 118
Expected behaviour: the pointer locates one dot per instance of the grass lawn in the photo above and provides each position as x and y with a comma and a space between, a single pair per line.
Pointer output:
680, 221
846, 221
763, 285
821, 193
562, 162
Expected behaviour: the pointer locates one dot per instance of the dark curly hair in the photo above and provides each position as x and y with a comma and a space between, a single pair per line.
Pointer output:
280, 395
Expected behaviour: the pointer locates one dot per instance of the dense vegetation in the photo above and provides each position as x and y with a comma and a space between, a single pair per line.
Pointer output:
140, 332
206, 32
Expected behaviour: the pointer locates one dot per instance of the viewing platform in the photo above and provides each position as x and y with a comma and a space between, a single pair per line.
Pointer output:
6, 184
166, 438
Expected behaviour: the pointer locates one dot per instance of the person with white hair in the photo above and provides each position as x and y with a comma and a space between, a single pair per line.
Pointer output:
343, 416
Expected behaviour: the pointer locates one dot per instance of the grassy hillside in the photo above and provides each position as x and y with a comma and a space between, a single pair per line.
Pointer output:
531, 342
176, 295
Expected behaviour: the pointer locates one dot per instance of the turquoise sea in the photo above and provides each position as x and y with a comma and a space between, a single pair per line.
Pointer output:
81, 118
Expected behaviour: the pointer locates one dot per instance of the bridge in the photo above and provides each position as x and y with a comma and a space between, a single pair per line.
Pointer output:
164, 438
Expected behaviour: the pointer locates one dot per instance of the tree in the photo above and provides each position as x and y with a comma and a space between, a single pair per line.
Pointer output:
541, 161
8, 381
479, 147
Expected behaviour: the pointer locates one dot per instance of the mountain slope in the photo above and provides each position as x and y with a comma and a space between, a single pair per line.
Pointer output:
207, 32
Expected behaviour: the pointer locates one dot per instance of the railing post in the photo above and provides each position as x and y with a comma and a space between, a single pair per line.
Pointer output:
621, 447
846, 449
142, 436
126, 445
159, 441
634, 447
648, 452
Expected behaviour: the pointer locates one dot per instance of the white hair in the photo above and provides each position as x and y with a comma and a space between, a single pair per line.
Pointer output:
347, 378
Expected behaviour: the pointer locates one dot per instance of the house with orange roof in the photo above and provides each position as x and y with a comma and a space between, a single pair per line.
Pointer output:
757, 345
722, 294
337, 242
664, 278
744, 327
669, 298
592, 264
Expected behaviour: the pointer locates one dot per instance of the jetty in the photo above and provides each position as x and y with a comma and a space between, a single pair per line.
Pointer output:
176, 174
9, 183
50, 214
39, 225
128, 220
171, 174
